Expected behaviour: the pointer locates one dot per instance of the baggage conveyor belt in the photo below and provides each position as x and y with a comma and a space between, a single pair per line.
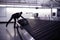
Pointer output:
44, 29
41, 30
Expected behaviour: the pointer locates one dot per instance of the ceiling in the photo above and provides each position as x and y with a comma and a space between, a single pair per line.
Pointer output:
47, 3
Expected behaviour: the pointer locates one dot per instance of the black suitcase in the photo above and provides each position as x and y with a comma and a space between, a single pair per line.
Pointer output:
23, 22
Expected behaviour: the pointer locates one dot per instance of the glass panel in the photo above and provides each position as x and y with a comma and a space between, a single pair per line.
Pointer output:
2, 12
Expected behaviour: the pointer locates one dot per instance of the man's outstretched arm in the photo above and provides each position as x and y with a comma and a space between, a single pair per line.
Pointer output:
22, 17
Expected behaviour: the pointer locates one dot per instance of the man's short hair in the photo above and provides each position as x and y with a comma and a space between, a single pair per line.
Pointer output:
20, 12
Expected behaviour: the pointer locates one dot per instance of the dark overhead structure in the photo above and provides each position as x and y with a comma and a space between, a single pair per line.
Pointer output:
47, 3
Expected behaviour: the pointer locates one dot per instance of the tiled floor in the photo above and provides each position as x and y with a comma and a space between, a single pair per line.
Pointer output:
6, 33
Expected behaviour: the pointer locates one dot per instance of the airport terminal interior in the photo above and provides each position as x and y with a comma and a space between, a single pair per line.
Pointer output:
40, 20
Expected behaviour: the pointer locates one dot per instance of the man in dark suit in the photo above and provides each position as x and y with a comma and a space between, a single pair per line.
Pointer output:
15, 16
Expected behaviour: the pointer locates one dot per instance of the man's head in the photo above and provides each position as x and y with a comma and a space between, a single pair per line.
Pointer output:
20, 13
